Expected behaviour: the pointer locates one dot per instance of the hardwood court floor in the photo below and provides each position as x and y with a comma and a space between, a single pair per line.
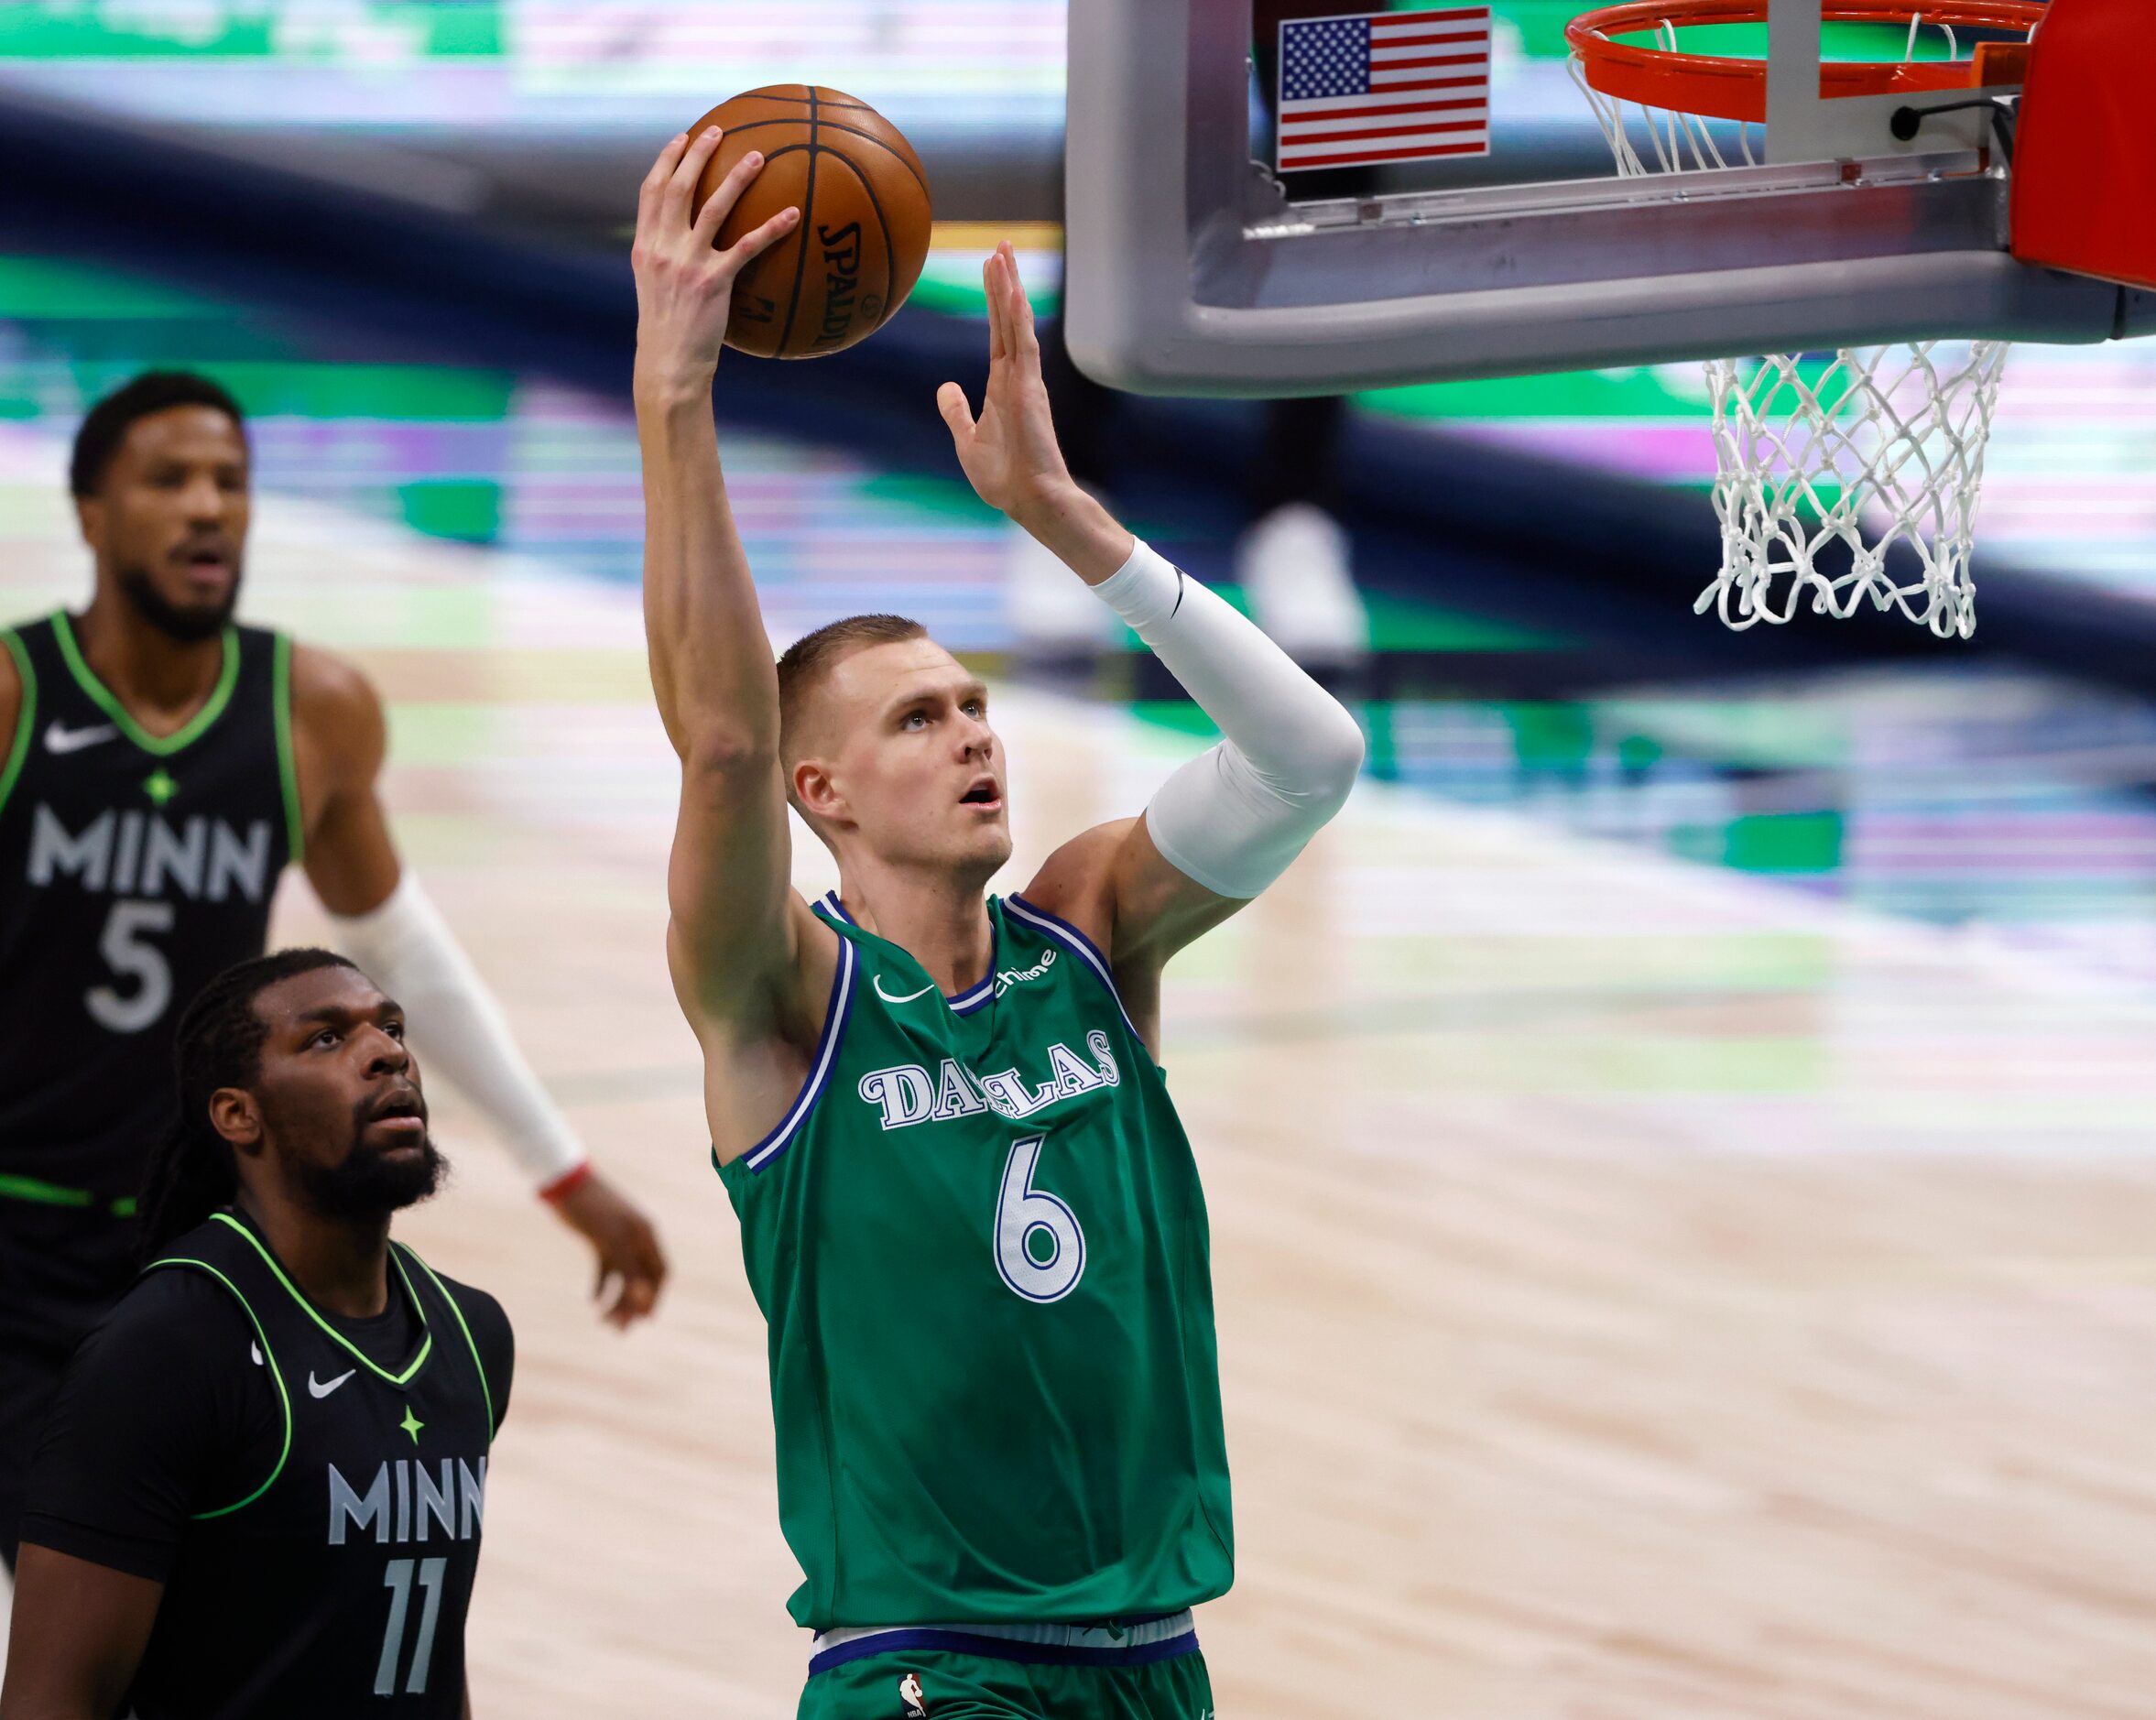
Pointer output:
1643, 1293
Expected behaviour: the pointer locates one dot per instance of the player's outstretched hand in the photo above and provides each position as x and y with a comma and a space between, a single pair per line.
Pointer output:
630, 1262
1009, 452
684, 284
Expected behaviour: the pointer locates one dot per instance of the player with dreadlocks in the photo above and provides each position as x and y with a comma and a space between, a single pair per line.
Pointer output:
160, 765
261, 1487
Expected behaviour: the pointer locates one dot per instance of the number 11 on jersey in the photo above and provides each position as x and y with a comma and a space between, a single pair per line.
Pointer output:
398, 1580
1040, 1247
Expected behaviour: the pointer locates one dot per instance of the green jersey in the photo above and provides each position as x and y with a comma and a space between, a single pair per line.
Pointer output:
980, 1245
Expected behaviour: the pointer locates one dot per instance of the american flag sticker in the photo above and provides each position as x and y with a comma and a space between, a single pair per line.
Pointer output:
1384, 86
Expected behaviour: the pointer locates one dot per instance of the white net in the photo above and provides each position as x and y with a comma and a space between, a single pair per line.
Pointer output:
1838, 478
1822, 468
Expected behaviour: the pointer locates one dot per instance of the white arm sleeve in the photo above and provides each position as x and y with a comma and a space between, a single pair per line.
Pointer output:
1234, 818
407, 949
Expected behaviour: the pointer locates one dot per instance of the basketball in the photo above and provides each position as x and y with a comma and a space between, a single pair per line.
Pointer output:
863, 233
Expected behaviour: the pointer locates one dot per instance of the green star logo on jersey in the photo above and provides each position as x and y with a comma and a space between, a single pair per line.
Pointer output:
159, 785
411, 1423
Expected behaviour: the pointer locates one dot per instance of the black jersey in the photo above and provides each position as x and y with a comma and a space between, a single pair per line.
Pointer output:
132, 869
321, 1563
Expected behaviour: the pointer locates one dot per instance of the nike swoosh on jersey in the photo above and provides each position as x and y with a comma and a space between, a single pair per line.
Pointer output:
59, 738
323, 1391
908, 998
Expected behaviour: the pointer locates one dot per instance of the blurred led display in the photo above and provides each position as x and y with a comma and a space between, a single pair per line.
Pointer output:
558, 63
2071, 474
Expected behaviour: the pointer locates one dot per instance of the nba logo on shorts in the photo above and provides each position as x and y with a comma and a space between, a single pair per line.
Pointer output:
916, 1705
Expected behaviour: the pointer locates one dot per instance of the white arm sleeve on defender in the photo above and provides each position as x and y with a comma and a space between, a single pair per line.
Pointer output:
1233, 819
407, 949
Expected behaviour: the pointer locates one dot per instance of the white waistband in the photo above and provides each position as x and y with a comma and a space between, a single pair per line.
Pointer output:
1039, 1636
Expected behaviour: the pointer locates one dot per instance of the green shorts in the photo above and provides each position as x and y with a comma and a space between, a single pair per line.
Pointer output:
1034, 1672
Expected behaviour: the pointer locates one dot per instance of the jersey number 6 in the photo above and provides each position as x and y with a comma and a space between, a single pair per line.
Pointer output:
1040, 1249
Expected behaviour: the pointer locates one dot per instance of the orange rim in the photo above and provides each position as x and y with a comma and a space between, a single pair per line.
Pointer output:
1718, 88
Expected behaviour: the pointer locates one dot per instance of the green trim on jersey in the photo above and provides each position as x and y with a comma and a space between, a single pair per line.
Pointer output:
269, 1360
43, 1193
39, 1192
286, 772
426, 1348
99, 694
485, 1388
26, 718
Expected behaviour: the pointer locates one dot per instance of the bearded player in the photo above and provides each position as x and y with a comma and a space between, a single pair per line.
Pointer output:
158, 768
202, 1537
968, 1211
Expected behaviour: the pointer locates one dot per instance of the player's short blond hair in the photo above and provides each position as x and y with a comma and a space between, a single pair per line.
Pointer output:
806, 663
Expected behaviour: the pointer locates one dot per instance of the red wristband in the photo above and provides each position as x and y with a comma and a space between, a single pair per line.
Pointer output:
567, 1184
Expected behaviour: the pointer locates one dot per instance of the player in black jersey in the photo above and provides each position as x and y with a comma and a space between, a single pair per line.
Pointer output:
262, 1486
159, 767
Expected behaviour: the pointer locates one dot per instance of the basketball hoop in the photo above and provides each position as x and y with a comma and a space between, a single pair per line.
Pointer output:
1852, 456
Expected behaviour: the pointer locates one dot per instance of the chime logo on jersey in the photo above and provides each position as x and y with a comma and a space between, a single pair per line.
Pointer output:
907, 1094
1010, 976
142, 855
405, 1498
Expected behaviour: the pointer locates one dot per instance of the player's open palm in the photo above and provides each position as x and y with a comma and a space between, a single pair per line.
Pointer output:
684, 284
1009, 452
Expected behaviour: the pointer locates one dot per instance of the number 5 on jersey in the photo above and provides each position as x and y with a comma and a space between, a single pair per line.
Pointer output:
1039, 1248
130, 956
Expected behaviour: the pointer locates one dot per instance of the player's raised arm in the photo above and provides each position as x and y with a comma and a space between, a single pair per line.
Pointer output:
1228, 823
712, 665
387, 920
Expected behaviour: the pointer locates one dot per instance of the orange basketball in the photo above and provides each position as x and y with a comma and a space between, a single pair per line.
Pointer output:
864, 233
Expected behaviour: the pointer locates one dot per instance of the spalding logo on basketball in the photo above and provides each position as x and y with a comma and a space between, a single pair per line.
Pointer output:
864, 233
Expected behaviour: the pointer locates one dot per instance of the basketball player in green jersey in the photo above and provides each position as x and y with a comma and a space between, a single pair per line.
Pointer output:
968, 1211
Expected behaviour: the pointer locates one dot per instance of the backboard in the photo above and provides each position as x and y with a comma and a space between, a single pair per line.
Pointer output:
1193, 268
